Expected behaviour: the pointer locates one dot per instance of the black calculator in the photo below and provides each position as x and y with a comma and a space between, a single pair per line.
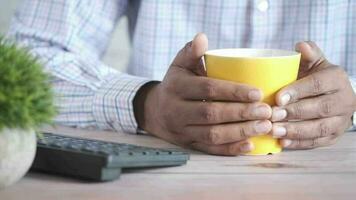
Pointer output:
98, 160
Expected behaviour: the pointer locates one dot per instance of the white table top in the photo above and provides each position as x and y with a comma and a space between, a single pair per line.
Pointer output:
324, 173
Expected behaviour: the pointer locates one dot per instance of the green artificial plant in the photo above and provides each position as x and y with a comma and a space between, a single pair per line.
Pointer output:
26, 98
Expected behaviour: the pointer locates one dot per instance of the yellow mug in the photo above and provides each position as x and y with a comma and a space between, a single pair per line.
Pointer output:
266, 69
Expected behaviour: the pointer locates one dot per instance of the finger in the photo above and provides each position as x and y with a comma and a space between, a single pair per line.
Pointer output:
231, 149
308, 144
198, 113
190, 56
315, 84
313, 108
204, 88
302, 130
227, 133
311, 57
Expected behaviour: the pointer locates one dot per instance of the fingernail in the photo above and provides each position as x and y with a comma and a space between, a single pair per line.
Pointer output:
262, 126
286, 142
279, 131
278, 114
260, 111
285, 99
254, 95
246, 147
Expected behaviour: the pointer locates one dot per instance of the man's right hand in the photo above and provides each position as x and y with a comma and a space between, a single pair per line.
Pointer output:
189, 109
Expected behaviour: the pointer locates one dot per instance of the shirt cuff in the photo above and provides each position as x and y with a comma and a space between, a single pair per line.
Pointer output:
113, 102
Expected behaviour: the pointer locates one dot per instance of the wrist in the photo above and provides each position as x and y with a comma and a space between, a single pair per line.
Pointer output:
142, 103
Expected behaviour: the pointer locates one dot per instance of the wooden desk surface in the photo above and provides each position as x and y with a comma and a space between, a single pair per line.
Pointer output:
324, 173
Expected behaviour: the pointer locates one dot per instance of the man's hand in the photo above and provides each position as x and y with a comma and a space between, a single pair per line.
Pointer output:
214, 116
316, 109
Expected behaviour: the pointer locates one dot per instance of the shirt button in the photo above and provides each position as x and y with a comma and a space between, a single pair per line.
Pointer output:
262, 5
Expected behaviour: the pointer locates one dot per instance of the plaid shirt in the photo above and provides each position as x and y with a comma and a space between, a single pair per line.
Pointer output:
71, 36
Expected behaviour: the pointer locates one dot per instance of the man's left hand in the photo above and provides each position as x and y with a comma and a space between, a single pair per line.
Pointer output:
315, 110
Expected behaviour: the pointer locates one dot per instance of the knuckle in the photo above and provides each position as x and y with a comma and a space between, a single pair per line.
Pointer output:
232, 150
324, 129
316, 86
243, 113
240, 94
248, 111
314, 143
208, 89
325, 107
296, 132
213, 136
298, 143
243, 133
237, 94
296, 111
209, 113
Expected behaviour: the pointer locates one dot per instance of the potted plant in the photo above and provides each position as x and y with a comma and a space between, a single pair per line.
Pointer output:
26, 102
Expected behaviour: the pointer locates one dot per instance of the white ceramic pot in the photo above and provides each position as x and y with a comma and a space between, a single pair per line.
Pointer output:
17, 151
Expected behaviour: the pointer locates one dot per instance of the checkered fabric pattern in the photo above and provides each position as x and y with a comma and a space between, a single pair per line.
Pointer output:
70, 37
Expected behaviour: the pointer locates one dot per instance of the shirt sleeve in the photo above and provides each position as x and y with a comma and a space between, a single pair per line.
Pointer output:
70, 37
353, 84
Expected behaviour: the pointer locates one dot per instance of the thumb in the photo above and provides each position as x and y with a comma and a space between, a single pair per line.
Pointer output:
311, 57
190, 56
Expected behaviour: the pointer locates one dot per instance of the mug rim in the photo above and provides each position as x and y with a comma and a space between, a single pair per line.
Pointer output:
251, 53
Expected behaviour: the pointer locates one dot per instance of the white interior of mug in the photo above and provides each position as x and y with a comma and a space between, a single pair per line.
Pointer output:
251, 53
